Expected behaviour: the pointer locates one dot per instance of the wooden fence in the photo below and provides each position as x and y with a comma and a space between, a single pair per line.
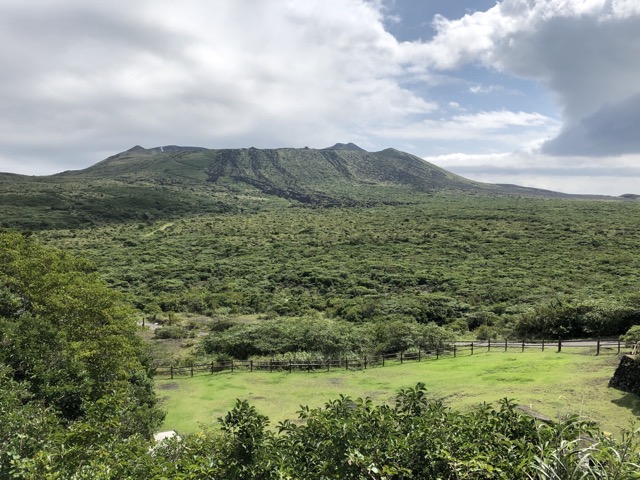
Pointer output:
304, 365
597, 346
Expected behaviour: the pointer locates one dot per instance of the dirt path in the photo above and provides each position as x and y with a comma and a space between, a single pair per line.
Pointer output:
159, 229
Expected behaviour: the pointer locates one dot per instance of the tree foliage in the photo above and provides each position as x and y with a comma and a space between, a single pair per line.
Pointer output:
416, 437
559, 319
325, 337
69, 355
632, 336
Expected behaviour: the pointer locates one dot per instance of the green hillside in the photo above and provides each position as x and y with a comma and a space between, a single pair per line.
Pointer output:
170, 182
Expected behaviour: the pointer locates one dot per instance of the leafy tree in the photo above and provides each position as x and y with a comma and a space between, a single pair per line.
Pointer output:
68, 347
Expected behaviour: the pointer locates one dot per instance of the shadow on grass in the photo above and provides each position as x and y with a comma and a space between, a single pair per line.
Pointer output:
630, 401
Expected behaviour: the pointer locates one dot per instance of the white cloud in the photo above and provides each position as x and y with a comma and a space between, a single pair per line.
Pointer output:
495, 130
229, 73
81, 80
586, 52
582, 175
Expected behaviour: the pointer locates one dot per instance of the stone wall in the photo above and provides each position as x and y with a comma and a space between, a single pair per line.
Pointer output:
627, 375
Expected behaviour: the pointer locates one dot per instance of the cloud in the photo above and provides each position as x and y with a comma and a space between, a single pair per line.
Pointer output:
90, 76
610, 130
586, 52
81, 80
490, 130
569, 174
485, 88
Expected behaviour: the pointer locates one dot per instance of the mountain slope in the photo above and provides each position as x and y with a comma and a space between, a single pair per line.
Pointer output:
170, 181
341, 173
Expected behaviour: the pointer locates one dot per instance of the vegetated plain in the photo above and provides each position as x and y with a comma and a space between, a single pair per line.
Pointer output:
506, 266
553, 384
456, 259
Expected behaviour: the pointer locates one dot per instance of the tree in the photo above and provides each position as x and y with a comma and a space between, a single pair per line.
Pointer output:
68, 345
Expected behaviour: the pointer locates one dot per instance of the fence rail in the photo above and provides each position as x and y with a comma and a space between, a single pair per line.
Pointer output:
459, 348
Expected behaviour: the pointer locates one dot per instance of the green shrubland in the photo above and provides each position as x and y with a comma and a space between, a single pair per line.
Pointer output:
523, 267
326, 338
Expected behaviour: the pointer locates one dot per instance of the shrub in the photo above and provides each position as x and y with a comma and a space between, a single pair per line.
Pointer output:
221, 325
486, 332
577, 319
632, 336
164, 333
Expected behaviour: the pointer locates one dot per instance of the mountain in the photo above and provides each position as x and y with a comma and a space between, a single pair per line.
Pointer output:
169, 181
341, 174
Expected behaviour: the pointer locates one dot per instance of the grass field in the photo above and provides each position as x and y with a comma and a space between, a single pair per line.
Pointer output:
549, 383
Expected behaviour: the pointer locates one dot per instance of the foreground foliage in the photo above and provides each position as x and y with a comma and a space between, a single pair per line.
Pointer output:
76, 403
355, 439
72, 374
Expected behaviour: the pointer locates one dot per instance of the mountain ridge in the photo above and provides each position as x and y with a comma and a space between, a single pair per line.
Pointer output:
168, 181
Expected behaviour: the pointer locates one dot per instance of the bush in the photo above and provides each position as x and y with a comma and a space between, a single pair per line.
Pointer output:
175, 332
560, 319
221, 325
632, 336
485, 332
324, 337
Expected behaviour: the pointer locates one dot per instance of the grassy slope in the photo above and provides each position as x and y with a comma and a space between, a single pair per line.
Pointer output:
552, 384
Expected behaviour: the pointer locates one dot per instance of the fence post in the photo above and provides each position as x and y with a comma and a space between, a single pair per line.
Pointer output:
618, 346
346, 363
454, 350
419, 355
489, 345
559, 345
543, 344
171, 370
598, 347
400, 358
383, 359
192, 370
505, 344
271, 365
365, 362
211, 368
251, 365
523, 345
290, 367
437, 353
471, 348
232, 365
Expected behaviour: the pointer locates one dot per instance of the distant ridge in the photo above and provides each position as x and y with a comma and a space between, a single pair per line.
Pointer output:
163, 149
343, 174
346, 146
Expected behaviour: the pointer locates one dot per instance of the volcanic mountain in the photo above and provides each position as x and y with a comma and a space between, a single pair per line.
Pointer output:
168, 181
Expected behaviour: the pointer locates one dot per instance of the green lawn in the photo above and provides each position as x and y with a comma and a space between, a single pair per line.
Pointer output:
550, 383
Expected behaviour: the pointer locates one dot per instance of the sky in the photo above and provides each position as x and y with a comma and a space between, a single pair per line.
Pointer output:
539, 93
